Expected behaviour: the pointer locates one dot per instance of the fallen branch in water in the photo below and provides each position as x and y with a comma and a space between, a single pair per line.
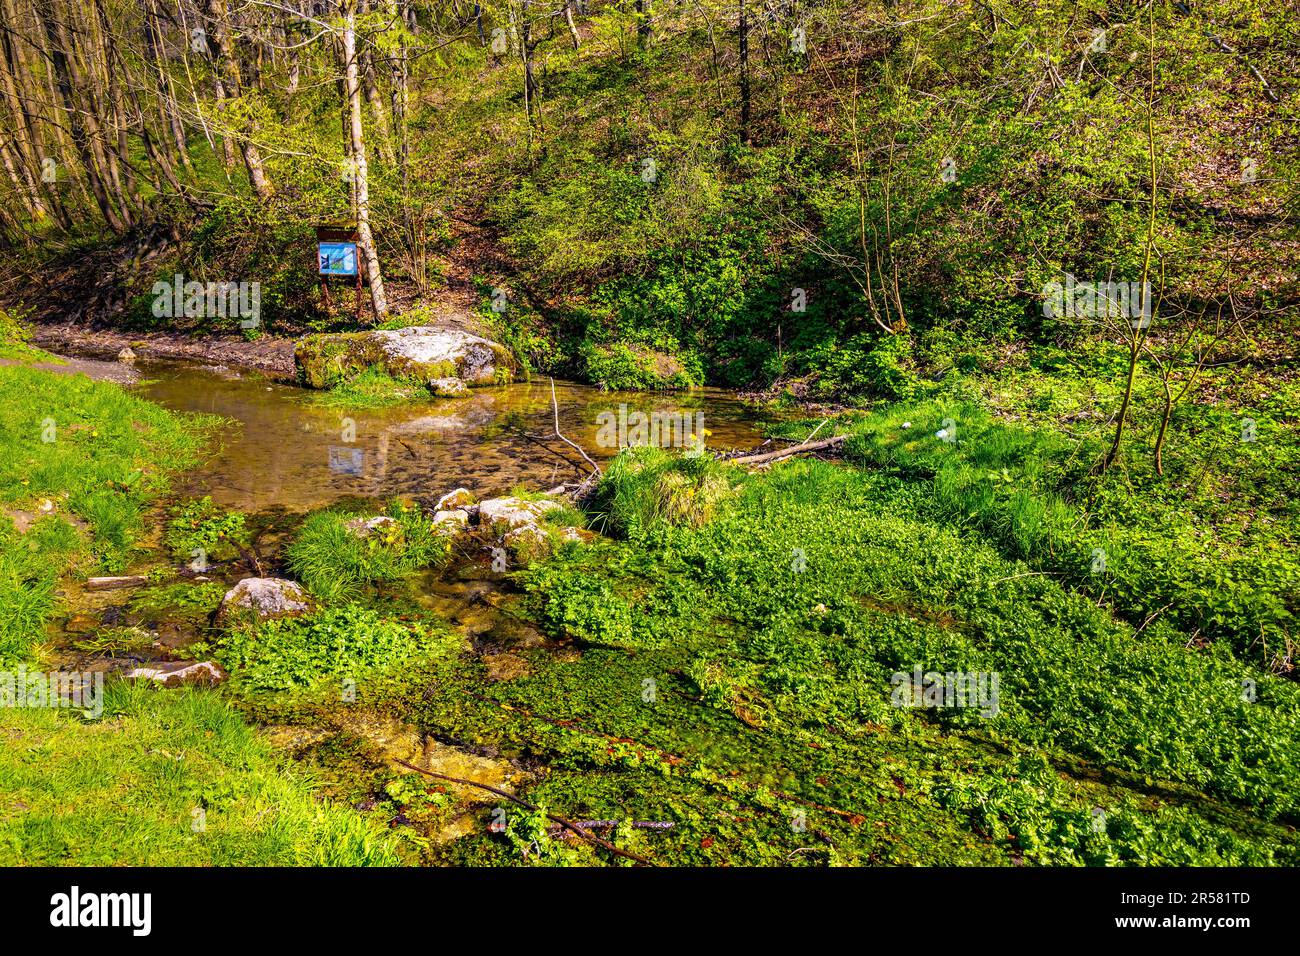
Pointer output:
787, 452
555, 406
589, 837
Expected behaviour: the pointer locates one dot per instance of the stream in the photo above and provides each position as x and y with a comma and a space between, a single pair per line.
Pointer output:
283, 454
288, 452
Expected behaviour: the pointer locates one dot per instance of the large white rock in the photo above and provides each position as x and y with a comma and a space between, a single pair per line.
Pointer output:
265, 597
505, 514
420, 353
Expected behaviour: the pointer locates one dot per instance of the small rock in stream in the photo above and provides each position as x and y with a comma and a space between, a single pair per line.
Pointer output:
179, 673
265, 597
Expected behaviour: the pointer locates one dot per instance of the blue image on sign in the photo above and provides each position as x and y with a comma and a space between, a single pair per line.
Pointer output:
338, 258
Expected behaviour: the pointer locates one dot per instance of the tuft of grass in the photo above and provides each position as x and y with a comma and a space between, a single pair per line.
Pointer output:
335, 563
372, 388
647, 487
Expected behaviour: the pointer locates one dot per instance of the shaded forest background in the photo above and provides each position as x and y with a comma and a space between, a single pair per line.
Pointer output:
839, 198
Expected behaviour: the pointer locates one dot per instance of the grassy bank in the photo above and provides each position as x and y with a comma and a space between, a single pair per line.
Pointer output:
79, 463
163, 777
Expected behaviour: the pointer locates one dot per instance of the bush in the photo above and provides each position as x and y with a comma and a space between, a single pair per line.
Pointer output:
350, 641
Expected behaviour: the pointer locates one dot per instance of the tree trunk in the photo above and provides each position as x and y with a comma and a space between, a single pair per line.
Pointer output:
68, 78
352, 83
743, 29
223, 60
573, 27
168, 109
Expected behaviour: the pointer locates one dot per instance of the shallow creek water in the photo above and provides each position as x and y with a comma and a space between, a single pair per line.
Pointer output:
287, 452
283, 453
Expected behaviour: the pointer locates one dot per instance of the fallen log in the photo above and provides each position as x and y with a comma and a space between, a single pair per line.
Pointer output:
787, 452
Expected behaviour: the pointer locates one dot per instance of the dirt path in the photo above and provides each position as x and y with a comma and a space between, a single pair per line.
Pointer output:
271, 355
119, 372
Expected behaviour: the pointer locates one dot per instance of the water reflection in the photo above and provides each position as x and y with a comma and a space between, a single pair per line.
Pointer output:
285, 451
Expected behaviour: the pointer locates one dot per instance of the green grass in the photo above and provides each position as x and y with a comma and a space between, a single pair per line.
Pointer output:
335, 563
1148, 546
124, 791
14, 341
89, 457
372, 388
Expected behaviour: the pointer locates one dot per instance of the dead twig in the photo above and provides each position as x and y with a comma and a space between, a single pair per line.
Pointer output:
555, 406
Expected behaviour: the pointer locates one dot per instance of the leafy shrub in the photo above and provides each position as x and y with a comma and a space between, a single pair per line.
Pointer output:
348, 641
626, 367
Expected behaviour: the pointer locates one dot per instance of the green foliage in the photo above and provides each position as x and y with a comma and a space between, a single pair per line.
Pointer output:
625, 367
865, 365
345, 642
1022, 490
881, 592
200, 525
15, 339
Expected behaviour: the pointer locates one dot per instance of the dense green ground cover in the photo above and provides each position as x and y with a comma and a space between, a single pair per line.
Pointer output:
739, 638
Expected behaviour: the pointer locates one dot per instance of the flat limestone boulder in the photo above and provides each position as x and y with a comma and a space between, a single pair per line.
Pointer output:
500, 515
453, 500
265, 598
456, 520
424, 354
179, 673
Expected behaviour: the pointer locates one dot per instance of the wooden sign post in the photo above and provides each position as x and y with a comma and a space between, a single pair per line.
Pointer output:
337, 255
